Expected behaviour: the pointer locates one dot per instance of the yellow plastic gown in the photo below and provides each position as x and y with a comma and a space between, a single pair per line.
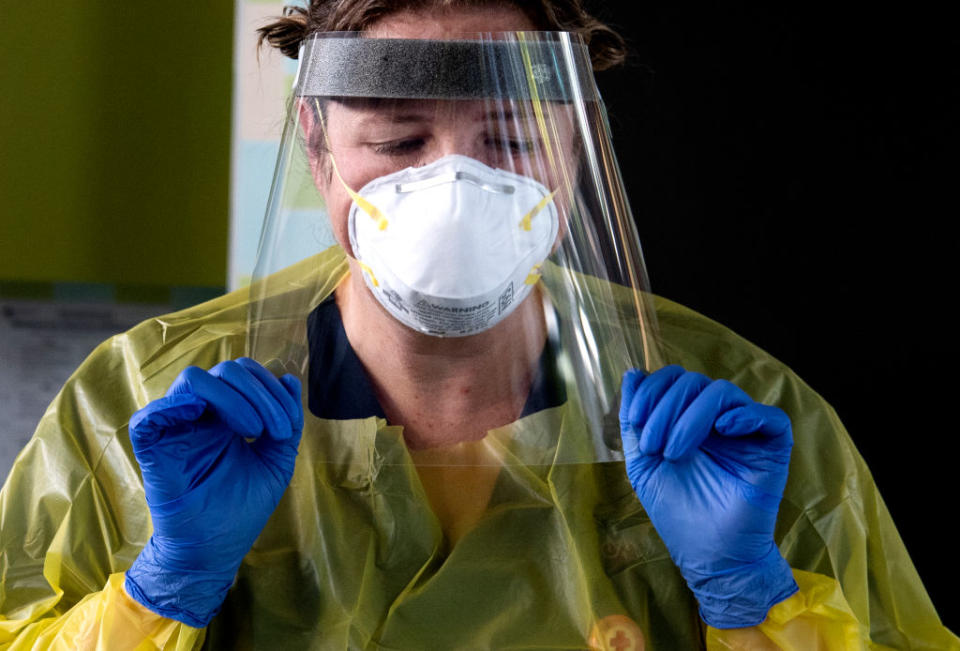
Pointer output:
554, 556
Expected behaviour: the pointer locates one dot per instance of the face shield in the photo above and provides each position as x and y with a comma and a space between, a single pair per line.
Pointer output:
473, 186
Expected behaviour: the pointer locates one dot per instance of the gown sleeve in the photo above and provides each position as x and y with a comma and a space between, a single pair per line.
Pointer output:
107, 620
817, 617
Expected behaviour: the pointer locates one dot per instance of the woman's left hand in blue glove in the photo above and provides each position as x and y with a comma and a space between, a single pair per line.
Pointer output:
709, 466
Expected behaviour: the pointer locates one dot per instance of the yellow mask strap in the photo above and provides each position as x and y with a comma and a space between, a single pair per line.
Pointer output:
526, 222
369, 272
534, 275
535, 98
362, 203
538, 110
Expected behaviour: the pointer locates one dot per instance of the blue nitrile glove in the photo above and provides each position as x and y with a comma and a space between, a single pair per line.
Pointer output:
209, 490
709, 466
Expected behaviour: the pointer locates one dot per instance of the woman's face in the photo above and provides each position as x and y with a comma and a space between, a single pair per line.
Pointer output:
372, 138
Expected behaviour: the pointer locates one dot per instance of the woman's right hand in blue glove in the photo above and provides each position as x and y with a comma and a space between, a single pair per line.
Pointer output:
216, 453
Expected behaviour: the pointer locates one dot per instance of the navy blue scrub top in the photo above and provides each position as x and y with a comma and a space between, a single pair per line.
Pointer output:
340, 389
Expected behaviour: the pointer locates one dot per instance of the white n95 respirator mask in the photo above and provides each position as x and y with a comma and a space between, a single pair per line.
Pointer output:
451, 248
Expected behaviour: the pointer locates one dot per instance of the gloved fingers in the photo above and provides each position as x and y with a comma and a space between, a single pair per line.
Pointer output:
292, 384
677, 398
148, 424
636, 408
271, 414
628, 388
290, 401
280, 455
757, 418
697, 421
231, 407
640, 469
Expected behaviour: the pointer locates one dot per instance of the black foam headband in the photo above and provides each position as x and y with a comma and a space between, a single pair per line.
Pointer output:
336, 65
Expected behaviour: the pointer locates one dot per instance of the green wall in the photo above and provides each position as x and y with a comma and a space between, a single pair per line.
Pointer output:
115, 142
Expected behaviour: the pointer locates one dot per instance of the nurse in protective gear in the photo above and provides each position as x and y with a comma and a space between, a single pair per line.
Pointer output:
463, 420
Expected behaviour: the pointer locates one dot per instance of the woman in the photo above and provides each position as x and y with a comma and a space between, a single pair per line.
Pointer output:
456, 484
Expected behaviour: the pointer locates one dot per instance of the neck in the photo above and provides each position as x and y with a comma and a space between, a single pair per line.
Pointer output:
443, 390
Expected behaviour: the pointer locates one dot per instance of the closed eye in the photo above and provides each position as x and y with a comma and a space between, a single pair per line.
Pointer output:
514, 145
403, 147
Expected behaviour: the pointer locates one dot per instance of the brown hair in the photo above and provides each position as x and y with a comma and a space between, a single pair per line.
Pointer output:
607, 48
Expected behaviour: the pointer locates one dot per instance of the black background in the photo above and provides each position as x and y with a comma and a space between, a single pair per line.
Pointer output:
792, 170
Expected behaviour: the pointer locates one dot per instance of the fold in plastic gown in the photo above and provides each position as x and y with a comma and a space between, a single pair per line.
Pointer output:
360, 555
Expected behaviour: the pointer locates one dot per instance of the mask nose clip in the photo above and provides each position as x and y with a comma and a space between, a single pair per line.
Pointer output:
453, 177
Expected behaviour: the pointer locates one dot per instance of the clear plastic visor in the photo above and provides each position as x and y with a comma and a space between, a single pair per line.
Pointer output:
448, 259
